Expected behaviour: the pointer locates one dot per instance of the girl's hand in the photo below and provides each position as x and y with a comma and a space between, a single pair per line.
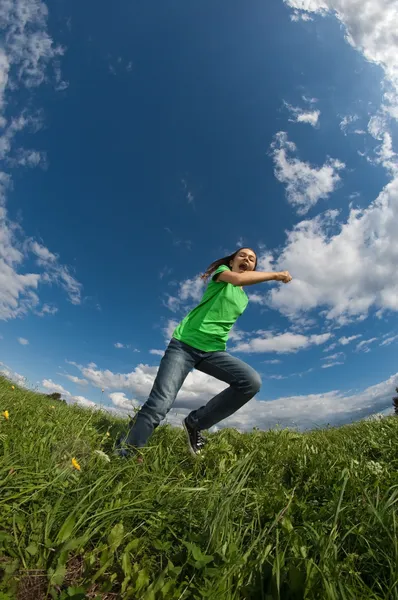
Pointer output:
283, 276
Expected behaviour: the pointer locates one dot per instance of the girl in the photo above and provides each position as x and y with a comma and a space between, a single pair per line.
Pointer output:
199, 342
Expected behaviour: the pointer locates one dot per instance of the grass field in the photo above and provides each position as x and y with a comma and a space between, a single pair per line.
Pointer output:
275, 515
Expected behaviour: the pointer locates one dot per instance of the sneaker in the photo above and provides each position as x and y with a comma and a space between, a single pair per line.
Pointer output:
196, 441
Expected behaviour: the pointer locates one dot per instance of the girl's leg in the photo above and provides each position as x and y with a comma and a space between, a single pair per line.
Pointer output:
244, 383
174, 368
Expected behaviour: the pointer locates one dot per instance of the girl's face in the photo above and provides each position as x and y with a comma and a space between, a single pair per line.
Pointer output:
245, 260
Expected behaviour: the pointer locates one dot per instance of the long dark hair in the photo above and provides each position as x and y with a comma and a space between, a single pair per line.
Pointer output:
224, 261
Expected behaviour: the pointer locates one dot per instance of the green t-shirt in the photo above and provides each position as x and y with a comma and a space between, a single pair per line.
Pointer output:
207, 326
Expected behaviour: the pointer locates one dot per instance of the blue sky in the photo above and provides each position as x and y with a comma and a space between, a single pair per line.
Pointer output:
140, 144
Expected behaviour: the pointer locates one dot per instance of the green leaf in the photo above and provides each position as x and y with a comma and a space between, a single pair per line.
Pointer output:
32, 549
115, 537
198, 554
66, 530
133, 545
126, 563
57, 577
142, 580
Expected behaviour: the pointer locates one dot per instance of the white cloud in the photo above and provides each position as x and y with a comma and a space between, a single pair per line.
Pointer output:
333, 356
236, 334
156, 352
120, 400
256, 298
46, 309
370, 28
364, 345
29, 158
188, 193
384, 153
28, 46
23, 341
54, 272
25, 55
309, 99
51, 387
43, 253
169, 329
189, 291
82, 401
389, 340
197, 388
305, 184
120, 345
346, 121
332, 364
305, 412
355, 267
303, 116
281, 343
346, 340
76, 380
273, 361
13, 375
314, 410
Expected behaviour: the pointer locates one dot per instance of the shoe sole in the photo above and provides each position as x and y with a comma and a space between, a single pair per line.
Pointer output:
192, 451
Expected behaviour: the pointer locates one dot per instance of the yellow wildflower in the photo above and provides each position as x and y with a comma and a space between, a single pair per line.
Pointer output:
52, 406
75, 464
108, 434
6, 415
13, 387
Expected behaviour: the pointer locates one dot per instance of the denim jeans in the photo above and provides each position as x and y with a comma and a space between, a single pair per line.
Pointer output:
178, 360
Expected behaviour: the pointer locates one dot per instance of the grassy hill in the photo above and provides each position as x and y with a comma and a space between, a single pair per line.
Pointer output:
275, 515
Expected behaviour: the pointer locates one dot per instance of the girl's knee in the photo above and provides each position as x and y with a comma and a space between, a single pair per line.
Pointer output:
251, 384
255, 383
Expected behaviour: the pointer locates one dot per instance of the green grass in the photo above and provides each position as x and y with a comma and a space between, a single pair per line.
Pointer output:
275, 515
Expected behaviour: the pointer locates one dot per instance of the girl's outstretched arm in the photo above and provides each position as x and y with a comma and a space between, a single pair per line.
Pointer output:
252, 277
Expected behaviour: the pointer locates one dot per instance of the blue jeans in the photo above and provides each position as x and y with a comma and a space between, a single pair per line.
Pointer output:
178, 360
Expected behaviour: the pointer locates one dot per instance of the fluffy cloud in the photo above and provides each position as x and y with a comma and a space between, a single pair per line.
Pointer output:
303, 116
355, 268
13, 375
315, 410
77, 380
26, 53
343, 341
156, 352
120, 345
82, 401
198, 387
305, 184
304, 412
120, 400
46, 309
189, 292
51, 387
23, 341
54, 272
281, 343
169, 329
370, 28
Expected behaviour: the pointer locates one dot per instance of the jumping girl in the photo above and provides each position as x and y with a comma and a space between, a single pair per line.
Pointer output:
199, 342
